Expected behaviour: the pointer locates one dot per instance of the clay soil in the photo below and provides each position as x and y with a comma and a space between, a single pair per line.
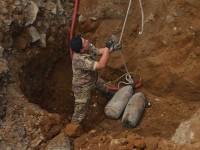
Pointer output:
165, 56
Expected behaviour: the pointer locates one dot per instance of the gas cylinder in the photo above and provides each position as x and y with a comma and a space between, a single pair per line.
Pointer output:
117, 104
134, 110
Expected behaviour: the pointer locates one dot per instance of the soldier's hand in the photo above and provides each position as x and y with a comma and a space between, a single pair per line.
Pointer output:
117, 47
110, 41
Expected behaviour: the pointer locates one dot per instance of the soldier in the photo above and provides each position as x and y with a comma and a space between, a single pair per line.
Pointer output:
85, 75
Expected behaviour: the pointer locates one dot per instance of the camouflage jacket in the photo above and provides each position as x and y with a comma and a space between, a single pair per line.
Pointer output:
83, 66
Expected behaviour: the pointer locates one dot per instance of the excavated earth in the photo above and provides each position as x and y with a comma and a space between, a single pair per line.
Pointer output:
36, 101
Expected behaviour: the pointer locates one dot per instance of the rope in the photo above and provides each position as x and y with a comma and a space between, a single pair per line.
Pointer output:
127, 74
142, 13
128, 77
122, 82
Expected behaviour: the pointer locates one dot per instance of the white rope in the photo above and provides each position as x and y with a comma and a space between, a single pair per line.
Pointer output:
127, 75
142, 13
129, 80
120, 39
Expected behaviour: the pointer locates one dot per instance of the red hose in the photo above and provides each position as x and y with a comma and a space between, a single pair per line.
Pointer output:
73, 24
115, 88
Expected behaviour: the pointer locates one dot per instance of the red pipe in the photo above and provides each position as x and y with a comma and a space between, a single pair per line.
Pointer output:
73, 24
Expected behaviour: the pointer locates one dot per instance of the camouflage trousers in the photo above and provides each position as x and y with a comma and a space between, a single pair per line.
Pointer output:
82, 98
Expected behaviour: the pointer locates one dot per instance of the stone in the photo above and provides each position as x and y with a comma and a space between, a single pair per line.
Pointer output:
81, 19
60, 7
151, 143
43, 40
188, 131
117, 144
3, 66
1, 51
60, 142
73, 130
32, 14
33, 33
140, 144
131, 138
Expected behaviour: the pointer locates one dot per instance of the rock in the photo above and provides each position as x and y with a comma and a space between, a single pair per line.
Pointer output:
32, 14
36, 142
92, 132
151, 17
40, 3
60, 142
33, 33
188, 131
131, 138
50, 6
3, 66
73, 130
1, 51
59, 8
81, 19
140, 144
117, 144
164, 144
43, 40
151, 143
7, 21
93, 18
54, 11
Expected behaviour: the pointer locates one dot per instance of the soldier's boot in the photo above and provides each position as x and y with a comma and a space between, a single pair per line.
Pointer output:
109, 93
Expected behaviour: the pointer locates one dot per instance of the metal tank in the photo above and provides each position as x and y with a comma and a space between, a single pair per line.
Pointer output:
117, 104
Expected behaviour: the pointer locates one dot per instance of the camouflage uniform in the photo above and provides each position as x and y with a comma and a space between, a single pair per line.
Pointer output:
85, 77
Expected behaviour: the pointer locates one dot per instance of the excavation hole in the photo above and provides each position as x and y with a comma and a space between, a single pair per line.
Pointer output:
46, 80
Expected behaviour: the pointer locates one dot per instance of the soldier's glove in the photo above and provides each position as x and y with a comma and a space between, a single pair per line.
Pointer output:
110, 41
117, 47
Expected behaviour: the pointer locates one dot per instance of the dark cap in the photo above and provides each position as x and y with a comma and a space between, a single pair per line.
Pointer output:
76, 44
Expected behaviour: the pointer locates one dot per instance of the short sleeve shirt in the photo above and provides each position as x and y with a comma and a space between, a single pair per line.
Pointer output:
83, 66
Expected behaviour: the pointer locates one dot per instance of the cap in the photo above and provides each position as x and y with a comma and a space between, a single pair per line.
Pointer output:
76, 44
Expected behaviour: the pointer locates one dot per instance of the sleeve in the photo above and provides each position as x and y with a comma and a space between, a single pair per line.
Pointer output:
93, 50
89, 64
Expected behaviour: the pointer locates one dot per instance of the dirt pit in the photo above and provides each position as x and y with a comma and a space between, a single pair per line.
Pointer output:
49, 86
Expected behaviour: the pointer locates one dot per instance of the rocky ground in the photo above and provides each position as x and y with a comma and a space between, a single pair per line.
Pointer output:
36, 101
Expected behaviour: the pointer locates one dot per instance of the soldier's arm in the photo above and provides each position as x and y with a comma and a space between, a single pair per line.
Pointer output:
101, 50
103, 60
